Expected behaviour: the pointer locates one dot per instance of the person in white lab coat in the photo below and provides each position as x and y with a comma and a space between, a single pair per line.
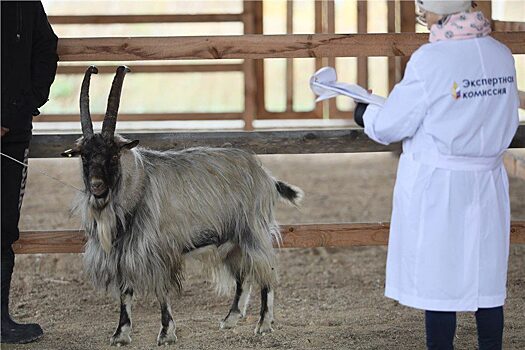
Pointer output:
456, 111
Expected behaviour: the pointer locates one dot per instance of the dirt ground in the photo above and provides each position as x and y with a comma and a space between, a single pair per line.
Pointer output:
326, 298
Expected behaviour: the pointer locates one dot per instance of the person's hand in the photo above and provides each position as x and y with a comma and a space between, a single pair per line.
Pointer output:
4, 131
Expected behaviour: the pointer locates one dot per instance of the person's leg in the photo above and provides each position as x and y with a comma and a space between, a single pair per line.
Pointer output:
490, 328
13, 185
440, 329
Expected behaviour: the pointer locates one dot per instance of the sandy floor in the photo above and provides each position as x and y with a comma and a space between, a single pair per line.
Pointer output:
326, 299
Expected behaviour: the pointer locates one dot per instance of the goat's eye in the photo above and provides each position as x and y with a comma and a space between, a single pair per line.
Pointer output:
115, 157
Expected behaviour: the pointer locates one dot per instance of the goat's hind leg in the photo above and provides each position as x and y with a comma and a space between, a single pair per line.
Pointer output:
239, 304
266, 316
123, 331
167, 334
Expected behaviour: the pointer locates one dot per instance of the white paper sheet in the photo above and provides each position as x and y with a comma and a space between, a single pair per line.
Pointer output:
325, 85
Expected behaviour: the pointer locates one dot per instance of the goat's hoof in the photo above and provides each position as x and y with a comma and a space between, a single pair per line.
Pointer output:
263, 327
167, 339
120, 340
231, 320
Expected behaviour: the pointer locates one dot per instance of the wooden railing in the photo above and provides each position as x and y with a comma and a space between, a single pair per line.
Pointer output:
294, 236
254, 46
113, 19
268, 142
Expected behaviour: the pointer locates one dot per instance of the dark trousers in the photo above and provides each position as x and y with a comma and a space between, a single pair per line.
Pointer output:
13, 186
441, 327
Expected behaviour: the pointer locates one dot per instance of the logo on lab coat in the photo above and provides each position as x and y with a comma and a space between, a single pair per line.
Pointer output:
456, 92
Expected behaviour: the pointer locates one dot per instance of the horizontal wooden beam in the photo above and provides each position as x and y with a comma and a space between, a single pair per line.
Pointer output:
254, 46
141, 117
263, 142
506, 26
71, 117
112, 19
264, 115
294, 236
156, 68
349, 140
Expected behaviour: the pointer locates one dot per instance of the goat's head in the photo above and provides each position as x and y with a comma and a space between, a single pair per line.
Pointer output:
100, 152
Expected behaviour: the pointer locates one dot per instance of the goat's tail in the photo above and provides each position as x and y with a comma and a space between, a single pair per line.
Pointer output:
291, 193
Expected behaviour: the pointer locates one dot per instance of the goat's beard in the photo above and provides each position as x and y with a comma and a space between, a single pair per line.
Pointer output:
103, 213
99, 203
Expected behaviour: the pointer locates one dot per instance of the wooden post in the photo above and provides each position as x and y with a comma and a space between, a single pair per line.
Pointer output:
257, 7
407, 11
250, 103
392, 66
362, 27
318, 8
329, 27
289, 61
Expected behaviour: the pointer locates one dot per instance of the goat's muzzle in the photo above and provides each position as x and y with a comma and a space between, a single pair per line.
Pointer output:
98, 187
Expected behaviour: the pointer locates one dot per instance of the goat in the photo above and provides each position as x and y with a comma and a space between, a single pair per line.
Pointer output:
144, 210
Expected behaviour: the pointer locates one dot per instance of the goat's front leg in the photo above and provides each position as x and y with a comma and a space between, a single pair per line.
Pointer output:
266, 317
167, 334
123, 331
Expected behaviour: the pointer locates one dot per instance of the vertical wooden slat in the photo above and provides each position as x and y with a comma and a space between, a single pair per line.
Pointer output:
332, 108
257, 8
362, 27
330, 28
408, 25
318, 23
250, 88
391, 28
289, 61
330, 16
318, 61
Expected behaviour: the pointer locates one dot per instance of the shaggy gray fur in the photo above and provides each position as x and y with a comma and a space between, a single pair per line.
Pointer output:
163, 203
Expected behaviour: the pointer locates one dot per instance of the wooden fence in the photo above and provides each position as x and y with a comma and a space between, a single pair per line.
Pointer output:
399, 19
263, 142
250, 47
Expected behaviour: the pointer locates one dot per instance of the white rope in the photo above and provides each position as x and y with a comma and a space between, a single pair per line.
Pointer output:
41, 172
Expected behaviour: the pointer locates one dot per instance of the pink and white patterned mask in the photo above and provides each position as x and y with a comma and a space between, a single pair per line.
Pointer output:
463, 25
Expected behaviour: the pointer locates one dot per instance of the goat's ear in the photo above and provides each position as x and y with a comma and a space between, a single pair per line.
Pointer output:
129, 145
72, 152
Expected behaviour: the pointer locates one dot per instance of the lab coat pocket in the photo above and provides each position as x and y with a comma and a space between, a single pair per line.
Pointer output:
406, 197
418, 225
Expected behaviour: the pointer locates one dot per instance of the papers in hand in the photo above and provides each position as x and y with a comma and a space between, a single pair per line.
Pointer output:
325, 85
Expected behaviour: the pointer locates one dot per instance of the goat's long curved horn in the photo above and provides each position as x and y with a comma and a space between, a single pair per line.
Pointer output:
85, 116
110, 120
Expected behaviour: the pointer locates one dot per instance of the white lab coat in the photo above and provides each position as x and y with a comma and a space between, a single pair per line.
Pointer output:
456, 111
